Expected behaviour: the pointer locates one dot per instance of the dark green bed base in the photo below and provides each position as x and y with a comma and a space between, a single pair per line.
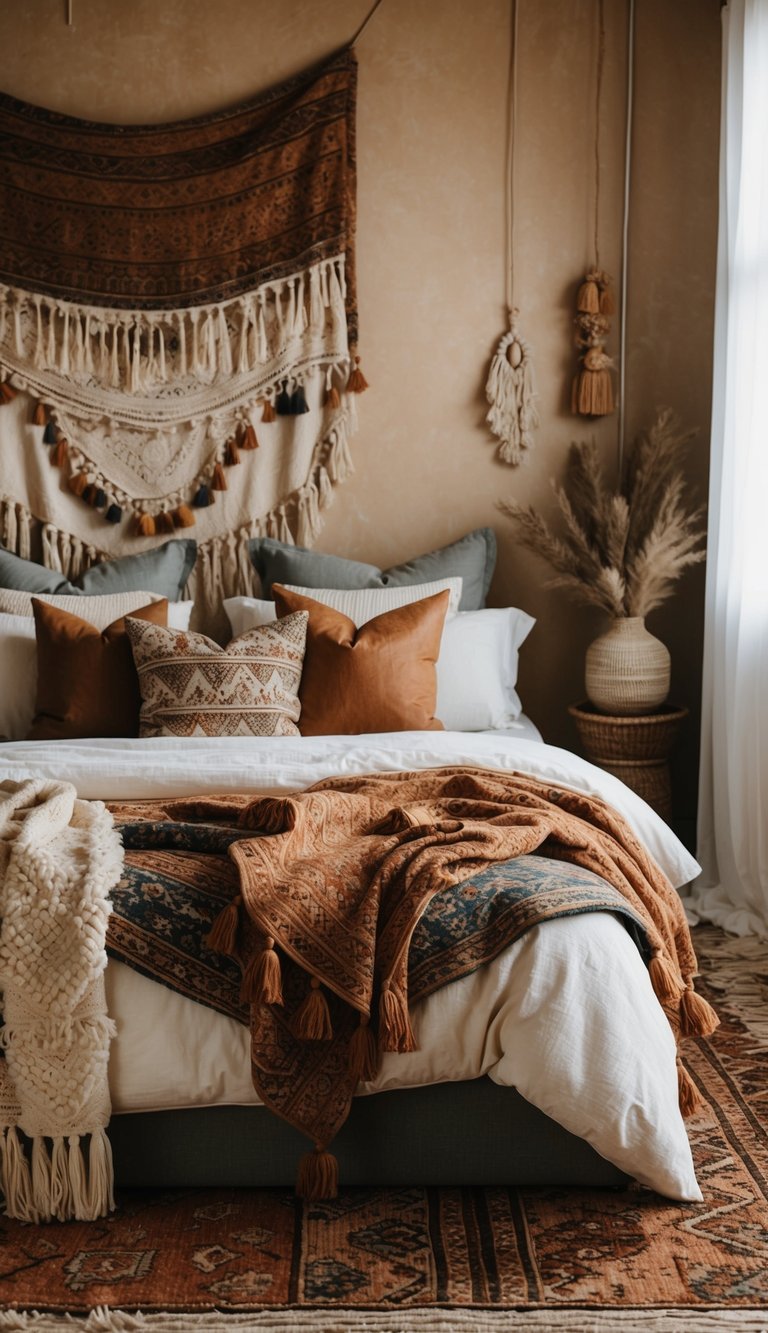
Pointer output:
473, 1133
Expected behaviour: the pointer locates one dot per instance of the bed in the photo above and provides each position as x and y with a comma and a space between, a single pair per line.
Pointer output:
552, 1064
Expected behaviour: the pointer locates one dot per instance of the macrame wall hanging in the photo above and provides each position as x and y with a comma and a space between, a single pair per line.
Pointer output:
179, 302
510, 387
592, 394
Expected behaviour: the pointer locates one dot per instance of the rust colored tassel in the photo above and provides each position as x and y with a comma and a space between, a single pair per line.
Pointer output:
231, 453
222, 937
394, 1027
588, 296
78, 482
268, 413
697, 1017
665, 981
59, 453
262, 980
218, 481
357, 381
332, 399
182, 517
363, 1053
40, 417
248, 439
313, 1019
318, 1175
164, 521
687, 1093
7, 394
145, 525
607, 301
593, 388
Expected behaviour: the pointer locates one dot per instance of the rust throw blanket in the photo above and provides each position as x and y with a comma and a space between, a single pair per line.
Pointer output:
328, 903
164, 290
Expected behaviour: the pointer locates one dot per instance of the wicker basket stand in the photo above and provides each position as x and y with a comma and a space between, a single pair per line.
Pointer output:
635, 749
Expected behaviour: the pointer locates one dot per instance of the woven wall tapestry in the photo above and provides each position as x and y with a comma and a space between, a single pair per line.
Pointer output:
179, 301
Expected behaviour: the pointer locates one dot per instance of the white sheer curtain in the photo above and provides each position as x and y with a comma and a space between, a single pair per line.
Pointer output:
733, 793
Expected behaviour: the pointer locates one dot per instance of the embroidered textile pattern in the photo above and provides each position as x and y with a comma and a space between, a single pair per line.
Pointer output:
59, 858
219, 279
191, 687
357, 860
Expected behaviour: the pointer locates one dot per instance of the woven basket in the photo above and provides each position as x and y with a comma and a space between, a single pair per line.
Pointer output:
627, 739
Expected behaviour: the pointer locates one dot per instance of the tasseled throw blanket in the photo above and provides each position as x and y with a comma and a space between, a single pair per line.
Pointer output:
59, 858
328, 904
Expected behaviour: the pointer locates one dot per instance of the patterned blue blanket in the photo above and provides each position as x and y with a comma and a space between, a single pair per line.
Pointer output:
177, 877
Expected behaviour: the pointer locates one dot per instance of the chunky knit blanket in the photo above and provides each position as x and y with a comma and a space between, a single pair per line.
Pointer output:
59, 858
329, 901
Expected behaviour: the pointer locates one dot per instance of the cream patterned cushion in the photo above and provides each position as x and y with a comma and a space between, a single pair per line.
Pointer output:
191, 687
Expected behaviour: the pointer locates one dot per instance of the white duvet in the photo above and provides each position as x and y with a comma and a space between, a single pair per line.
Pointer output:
566, 1014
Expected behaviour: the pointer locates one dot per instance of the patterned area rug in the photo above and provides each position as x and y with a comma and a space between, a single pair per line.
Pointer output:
434, 1260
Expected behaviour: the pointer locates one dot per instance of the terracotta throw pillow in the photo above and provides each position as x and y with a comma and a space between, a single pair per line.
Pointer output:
86, 680
380, 677
191, 687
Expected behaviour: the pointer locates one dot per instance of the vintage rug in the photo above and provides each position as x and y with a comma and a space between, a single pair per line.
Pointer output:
444, 1259
179, 301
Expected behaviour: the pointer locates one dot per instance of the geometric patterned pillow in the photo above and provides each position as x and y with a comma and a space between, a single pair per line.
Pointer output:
191, 687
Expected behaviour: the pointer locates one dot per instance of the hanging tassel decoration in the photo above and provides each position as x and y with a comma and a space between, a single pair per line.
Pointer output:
593, 387
59, 453
262, 980
145, 525
182, 517
231, 453
268, 412
357, 383
222, 937
299, 401
203, 497
283, 402
78, 482
248, 440
114, 513
7, 394
218, 481
40, 417
164, 521
395, 1032
363, 1052
511, 394
697, 1017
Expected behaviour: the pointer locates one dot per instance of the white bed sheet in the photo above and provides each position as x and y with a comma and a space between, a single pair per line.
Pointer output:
566, 1014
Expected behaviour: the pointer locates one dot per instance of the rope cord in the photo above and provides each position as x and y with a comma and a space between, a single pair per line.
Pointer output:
598, 100
365, 22
510, 183
625, 227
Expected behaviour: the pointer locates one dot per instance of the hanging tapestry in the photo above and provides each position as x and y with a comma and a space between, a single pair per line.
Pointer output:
179, 301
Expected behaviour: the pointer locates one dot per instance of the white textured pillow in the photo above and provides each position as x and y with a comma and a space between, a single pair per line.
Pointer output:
477, 669
18, 650
477, 666
192, 687
360, 604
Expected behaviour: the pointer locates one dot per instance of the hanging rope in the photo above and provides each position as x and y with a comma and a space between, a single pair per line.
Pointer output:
510, 387
625, 229
365, 22
592, 394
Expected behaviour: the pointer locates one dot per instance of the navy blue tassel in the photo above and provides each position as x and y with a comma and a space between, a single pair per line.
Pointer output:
99, 499
51, 433
298, 401
283, 404
114, 514
202, 498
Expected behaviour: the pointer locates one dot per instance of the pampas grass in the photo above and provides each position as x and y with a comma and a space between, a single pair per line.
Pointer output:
620, 550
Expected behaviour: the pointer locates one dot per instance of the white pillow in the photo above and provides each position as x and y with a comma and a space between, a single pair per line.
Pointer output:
477, 666
360, 604
477, 669
18, 656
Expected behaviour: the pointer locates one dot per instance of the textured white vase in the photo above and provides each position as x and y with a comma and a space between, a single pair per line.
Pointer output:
627, 669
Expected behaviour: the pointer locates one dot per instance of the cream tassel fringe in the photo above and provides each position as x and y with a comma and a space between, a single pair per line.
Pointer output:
511, 394
67, 1181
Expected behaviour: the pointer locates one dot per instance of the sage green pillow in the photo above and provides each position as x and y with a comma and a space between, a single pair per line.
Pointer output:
471, 558
163, 571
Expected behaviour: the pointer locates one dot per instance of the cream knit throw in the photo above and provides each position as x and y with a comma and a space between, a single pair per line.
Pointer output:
59, 858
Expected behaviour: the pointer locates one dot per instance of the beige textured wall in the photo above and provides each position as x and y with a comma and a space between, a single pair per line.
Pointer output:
431, 135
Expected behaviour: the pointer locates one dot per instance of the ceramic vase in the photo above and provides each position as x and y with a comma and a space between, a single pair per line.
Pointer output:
627, 669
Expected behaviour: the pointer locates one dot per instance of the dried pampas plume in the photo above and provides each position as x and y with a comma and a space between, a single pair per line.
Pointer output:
620, 550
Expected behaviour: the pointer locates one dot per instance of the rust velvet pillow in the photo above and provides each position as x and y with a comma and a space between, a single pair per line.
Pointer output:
86, 680
380, 677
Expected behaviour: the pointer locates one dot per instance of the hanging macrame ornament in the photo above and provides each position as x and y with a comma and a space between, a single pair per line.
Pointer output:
511, 394
592, 393
509, 388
